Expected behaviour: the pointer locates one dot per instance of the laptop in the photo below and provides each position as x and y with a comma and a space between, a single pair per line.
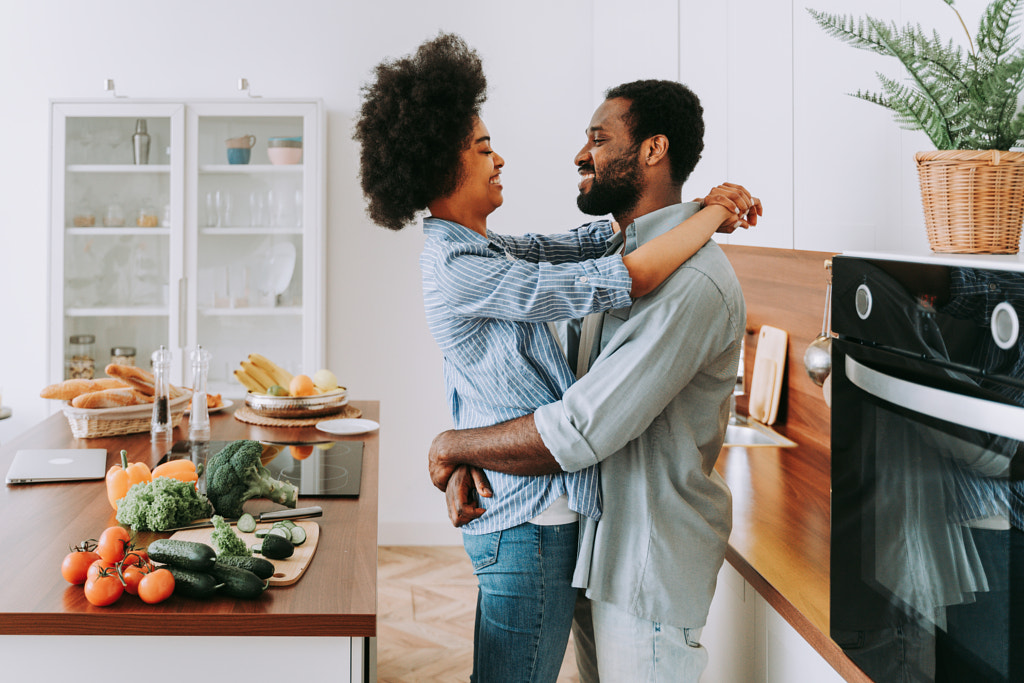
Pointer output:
31, 466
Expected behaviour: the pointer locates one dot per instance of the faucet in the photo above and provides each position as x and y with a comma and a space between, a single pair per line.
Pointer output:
738, 388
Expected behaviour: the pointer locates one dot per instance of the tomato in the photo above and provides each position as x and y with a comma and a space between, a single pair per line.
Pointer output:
98, 566
156, 586
133, 576
105, 589
137, 557
113, 541
76, 565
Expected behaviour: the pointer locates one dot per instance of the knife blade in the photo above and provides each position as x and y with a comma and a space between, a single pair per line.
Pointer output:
273, 516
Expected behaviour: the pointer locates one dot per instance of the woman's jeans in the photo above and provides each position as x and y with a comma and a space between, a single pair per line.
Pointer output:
525, 601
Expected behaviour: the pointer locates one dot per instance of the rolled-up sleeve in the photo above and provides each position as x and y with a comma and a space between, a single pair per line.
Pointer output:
588, 241
650, 358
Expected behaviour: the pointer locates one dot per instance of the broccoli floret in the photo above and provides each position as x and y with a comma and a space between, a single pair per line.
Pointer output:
163, 503
235, 474
226, 541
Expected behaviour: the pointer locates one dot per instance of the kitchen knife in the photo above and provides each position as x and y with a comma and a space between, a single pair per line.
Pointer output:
273, 516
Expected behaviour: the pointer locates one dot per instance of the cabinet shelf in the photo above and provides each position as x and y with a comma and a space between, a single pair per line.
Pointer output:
250, 169
267, 311
244, 230
117, 311
119, 168
117, 232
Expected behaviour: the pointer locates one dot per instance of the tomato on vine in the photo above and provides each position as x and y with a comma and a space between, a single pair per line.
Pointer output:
132, 575
75, 566
113, 542
156, 586
105, 589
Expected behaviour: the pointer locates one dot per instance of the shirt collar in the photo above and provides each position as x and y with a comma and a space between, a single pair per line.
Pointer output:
650, 225
450, 230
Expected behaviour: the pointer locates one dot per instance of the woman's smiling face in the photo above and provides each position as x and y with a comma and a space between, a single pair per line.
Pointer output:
479, 189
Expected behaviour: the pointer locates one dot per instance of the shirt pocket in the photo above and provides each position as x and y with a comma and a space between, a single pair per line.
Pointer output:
482, 549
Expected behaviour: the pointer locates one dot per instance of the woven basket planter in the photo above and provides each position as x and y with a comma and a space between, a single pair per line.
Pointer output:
973, 200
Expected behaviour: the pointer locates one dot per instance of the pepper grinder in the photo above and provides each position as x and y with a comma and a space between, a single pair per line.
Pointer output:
199, 419
140, 142
160, 427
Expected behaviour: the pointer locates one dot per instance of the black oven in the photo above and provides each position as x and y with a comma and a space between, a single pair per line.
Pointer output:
927, 557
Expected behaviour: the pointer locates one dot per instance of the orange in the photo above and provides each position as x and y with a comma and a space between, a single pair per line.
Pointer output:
301, 452
301, 385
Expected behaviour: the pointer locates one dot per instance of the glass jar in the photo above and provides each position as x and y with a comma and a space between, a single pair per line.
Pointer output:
147, 217
114, 217
122, 355
81, 363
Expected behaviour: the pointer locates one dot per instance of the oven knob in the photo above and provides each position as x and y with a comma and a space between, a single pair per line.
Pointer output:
1005, 325
862, 301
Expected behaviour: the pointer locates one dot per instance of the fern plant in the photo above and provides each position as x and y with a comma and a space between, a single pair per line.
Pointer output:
960, 99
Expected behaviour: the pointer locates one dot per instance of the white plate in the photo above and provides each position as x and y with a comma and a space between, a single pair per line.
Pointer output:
347, 426
226, 404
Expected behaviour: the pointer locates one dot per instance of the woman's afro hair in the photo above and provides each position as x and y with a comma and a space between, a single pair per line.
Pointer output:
415, 121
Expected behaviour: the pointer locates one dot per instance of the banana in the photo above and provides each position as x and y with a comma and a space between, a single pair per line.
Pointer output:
257, 374
278, 374
248, 382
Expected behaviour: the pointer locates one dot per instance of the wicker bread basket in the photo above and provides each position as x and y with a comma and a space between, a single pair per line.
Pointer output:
93, 423
973, 200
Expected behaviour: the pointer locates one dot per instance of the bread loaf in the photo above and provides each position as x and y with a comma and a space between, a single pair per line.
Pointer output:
111, 398
133, 376
71, 388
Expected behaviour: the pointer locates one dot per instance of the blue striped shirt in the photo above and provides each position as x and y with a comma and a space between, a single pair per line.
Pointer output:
487, 303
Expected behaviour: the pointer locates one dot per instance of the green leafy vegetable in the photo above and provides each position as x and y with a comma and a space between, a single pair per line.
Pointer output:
236, 474
161, 504
226, 541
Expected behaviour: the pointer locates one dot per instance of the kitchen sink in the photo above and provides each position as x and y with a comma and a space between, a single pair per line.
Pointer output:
751, 434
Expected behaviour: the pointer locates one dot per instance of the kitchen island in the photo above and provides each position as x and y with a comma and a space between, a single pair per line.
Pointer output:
324, 625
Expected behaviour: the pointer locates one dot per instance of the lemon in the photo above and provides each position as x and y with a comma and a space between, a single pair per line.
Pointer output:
277, 390
324, 380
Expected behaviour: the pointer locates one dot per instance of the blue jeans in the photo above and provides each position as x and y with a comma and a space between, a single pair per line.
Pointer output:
524, 603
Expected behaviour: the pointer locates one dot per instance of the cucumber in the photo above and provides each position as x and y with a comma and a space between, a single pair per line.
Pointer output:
298, 535
276, 547
264, 569
237, 582
246, 523
192, 584
183, 554
281, 531
260, 533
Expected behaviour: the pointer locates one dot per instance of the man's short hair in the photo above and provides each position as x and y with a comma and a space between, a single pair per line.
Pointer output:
666, 108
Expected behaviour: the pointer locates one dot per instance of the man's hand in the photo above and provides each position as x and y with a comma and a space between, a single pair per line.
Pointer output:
736, 199
464, 486
439, 473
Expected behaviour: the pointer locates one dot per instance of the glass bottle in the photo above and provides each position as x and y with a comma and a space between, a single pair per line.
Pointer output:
140, 142
160, 427
199, 418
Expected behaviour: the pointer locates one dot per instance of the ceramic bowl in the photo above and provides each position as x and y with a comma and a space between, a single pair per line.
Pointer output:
284, 155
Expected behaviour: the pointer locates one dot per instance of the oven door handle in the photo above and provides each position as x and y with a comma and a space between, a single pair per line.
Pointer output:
967, 411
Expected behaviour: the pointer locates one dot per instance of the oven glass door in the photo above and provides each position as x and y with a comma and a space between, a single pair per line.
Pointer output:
927, 557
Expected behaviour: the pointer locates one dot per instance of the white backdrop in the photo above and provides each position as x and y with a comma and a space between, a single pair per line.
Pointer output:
834, 173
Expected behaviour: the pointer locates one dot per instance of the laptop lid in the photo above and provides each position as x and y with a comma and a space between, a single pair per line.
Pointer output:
57, 464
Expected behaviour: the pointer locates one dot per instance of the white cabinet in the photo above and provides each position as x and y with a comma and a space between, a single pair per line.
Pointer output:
198, 245
749, 642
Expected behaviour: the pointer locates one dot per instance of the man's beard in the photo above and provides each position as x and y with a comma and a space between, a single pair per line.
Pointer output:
616, 190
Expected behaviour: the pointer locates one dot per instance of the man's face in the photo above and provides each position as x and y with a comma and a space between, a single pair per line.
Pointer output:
610, 177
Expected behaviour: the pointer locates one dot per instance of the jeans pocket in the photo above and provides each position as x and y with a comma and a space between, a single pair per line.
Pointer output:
482, 549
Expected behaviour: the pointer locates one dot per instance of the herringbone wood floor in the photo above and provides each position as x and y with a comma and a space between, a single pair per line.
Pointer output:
426, 601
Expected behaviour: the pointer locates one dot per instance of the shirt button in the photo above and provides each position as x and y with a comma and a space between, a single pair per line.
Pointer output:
584, 279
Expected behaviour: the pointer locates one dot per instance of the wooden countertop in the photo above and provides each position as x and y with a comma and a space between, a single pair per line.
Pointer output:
337, 596
780, 538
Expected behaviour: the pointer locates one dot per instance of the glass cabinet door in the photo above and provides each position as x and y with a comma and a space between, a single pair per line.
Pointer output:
254, 218
116, 222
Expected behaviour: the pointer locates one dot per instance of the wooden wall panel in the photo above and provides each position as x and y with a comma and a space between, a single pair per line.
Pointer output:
785, 288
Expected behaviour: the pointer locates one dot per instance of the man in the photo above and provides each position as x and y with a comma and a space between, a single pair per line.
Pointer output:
652, 410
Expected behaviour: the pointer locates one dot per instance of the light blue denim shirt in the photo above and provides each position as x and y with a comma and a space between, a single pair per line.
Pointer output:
487, 303
652, 411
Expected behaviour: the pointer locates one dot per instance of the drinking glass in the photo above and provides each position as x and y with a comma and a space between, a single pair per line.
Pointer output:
257, 208
212, 215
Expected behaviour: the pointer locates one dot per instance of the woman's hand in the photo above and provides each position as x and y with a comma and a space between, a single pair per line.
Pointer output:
744, 208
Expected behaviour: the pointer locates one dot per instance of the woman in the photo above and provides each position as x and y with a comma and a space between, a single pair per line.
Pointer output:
488, 298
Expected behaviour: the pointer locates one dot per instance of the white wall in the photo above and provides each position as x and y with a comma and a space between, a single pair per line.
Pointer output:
833, 172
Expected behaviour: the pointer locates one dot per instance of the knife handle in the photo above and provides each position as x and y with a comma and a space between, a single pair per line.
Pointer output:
298, 513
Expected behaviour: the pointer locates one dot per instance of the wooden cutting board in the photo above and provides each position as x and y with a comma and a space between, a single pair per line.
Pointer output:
769, 371
287, 571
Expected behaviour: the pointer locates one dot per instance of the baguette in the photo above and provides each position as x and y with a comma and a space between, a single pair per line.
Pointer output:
111, 398
71, 388
139, 379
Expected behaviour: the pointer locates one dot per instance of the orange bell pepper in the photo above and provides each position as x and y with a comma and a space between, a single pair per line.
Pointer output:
122, 477
185, 470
